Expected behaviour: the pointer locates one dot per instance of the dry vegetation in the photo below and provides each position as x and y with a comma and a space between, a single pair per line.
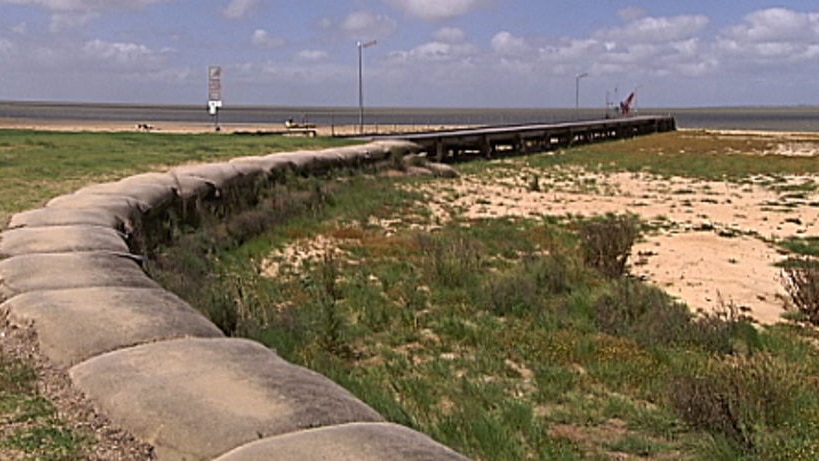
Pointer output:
495, 312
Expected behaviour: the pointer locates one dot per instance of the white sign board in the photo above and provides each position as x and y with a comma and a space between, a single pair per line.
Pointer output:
215, 83
213, 106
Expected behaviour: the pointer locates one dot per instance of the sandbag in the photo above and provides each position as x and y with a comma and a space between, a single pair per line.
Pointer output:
347, 442
77, 324
44, 217
60, 239
54, 271
199, 398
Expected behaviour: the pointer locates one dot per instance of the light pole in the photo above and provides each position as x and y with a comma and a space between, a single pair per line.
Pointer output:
577, 93
361, 47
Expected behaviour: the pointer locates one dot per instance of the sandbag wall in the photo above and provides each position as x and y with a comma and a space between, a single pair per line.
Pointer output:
153, 364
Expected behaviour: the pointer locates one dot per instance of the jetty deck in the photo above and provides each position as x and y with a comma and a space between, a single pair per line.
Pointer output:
493, 141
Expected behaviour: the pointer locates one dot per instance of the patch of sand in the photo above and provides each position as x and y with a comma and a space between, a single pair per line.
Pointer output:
713, 244
77, 125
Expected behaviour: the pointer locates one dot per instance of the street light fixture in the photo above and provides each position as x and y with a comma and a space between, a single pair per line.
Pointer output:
577, 93
361, 47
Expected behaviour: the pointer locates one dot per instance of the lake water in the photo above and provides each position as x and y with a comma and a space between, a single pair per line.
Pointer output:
802, 118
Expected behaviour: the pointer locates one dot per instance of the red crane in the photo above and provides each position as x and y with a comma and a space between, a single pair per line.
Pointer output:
627, 106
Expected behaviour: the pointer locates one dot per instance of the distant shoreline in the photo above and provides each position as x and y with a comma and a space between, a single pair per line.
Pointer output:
763, 118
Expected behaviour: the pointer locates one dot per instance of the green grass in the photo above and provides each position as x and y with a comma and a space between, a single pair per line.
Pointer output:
472, 335
688, 154
805, 246
38, 165
31, 426
35, 166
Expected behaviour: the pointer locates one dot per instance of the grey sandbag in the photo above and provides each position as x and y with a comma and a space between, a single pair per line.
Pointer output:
249, 171
347, 442
269, 164
127, 210
54, 271
155, 196
192, 188
44, 217
74, 325
199, 398
399, 146
221, 175
60, 239
441, 170
298, 160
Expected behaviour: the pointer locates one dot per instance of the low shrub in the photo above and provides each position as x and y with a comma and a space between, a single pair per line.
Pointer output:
641, 312
607, 241
450, 259
740, 398
800, 277
652, 318
326, 292
512, 292
554, 273
724, 330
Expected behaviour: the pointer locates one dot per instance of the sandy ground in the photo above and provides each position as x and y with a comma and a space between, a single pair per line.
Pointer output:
713, 243
194, 127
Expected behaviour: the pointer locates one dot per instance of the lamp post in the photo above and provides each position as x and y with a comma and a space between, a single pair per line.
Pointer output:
577, 93
361, 47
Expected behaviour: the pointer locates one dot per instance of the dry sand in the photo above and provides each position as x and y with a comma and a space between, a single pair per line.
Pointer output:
204, 127
714, 240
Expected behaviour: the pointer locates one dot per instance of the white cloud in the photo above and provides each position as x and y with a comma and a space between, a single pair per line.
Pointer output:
263, 39
770, 39
69, 14
437, 52
120, 54
631, 13
72, 20
84, 5
506, 44
170, 75
450, 35
571, 50
312, 55
289, 74
20, 29
325, 23
651, 29
6, 46
438, 10
776, 25
366, 25
240, 8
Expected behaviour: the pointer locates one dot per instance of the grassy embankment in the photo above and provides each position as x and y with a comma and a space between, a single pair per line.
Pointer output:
497, 337
35, 166
512, 338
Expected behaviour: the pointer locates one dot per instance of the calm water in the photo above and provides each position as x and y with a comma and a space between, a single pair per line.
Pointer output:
745, 118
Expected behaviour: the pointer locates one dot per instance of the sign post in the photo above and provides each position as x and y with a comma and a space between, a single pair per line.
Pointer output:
215, 92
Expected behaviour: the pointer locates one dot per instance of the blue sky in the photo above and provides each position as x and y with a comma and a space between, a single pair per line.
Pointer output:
430, 53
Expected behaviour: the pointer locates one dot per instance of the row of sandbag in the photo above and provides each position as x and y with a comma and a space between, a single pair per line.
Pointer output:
151, 362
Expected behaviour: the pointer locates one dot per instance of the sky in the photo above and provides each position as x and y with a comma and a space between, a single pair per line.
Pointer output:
428, 53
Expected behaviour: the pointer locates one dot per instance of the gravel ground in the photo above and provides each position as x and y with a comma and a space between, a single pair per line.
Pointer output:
104, 441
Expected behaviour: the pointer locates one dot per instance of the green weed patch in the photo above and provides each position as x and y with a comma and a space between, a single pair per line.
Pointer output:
503, 340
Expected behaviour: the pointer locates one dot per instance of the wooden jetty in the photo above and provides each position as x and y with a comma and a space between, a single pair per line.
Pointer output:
492, 141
